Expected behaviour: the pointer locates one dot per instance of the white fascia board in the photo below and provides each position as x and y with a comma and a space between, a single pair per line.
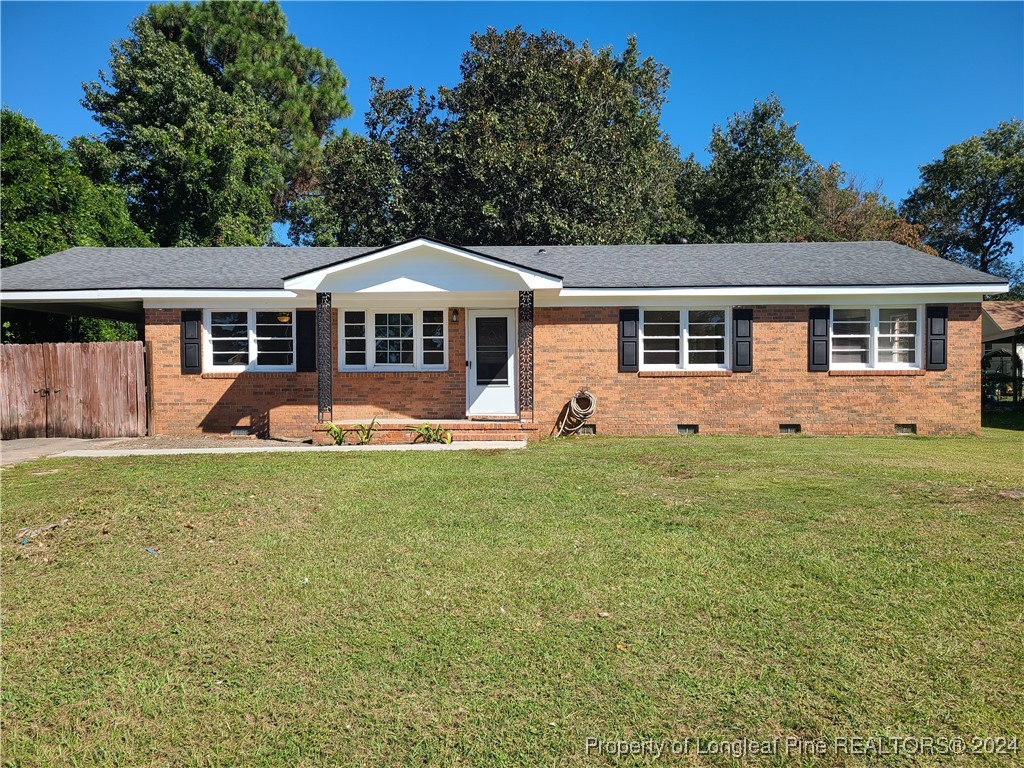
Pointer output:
774, 294
128, 294
311, 280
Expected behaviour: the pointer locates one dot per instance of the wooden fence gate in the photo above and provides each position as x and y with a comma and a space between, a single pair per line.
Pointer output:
73, 390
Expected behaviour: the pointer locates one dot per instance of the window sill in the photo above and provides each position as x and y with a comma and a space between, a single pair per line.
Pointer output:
878, 372
237, 374
390, 371
719, 374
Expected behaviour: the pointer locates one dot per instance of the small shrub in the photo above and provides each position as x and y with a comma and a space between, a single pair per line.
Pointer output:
430, 434
362, 432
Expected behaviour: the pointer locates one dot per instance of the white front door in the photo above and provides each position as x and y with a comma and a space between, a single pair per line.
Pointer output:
491, 362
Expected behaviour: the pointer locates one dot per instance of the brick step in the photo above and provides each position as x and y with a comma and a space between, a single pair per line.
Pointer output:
395, 432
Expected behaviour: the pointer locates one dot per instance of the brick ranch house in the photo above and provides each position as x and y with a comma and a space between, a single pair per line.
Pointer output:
838, 338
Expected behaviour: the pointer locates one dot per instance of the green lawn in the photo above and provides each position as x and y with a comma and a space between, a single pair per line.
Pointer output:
498, 608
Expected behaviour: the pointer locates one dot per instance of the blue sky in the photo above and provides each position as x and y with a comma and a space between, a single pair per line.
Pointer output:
879, 87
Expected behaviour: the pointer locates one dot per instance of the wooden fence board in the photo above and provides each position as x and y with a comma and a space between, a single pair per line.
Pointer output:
94, 390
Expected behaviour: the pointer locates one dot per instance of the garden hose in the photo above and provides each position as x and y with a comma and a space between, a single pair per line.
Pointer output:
580, 408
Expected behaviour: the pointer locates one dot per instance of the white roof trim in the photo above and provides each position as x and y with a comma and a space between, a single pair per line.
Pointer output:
310, 281
966, 291
978, 289
145, 293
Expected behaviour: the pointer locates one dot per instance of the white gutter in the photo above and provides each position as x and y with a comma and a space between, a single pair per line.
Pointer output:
783, 290
127, 294
124, 294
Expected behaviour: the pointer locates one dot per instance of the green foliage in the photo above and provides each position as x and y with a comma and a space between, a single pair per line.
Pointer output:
363, 432
431, 434
841, 209
198, 163
971, 200
49, 204
243, 46
542, 141
755, 187
762, 186
360, 197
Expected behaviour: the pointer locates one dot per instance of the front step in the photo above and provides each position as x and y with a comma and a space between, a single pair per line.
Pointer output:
392, 432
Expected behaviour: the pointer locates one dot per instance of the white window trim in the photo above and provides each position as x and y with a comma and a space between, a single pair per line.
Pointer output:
370, 339
208, 364
684, 331
873, 334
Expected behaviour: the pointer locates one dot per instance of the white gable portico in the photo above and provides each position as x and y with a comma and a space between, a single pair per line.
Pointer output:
424, 267
395, 307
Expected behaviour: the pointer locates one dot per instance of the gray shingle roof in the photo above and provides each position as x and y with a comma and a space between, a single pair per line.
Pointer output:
580, 266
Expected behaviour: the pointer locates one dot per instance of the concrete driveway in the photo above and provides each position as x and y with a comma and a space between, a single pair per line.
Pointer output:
28, 448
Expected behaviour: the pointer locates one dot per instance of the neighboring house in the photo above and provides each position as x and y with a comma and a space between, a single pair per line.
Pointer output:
1002, 330
838, 338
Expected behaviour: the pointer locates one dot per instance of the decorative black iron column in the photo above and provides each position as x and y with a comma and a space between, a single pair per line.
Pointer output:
324, 362
525, 352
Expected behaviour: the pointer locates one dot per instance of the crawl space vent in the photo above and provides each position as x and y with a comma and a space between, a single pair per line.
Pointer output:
906, 429
789, 429
687, 429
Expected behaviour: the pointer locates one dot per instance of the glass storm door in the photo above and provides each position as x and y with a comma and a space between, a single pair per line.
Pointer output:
491, 363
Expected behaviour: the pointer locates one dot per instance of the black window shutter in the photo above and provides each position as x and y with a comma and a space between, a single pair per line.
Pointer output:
629, 340
817, 339
305, 340
742, 339
938, 331
191, 342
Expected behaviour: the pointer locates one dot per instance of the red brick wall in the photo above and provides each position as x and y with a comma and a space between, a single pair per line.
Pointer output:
578, 347
284, 404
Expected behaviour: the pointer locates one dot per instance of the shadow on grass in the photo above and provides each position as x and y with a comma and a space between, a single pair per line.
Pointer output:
1003, 419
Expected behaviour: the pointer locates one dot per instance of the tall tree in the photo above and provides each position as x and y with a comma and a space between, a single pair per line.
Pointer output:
971, 200
198, 162
381, 187
50, 204
247, 44
755, 188
554, 142
542, 141
842, 208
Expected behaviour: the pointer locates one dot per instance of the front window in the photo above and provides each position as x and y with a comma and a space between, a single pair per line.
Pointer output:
851, 336
394, 340
229, 339
251, 340
897, 336
706, 337
394, 343
275, 340
353, 334
875, 337
684, 339
433, 337
663, 337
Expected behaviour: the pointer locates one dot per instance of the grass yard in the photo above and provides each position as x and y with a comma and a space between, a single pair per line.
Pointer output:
499, 608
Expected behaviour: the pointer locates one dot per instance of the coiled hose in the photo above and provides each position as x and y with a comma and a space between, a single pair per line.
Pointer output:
576, 412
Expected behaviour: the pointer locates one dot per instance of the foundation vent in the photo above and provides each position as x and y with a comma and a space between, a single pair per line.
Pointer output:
906, 429
587, 429
789, 429
687, 429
